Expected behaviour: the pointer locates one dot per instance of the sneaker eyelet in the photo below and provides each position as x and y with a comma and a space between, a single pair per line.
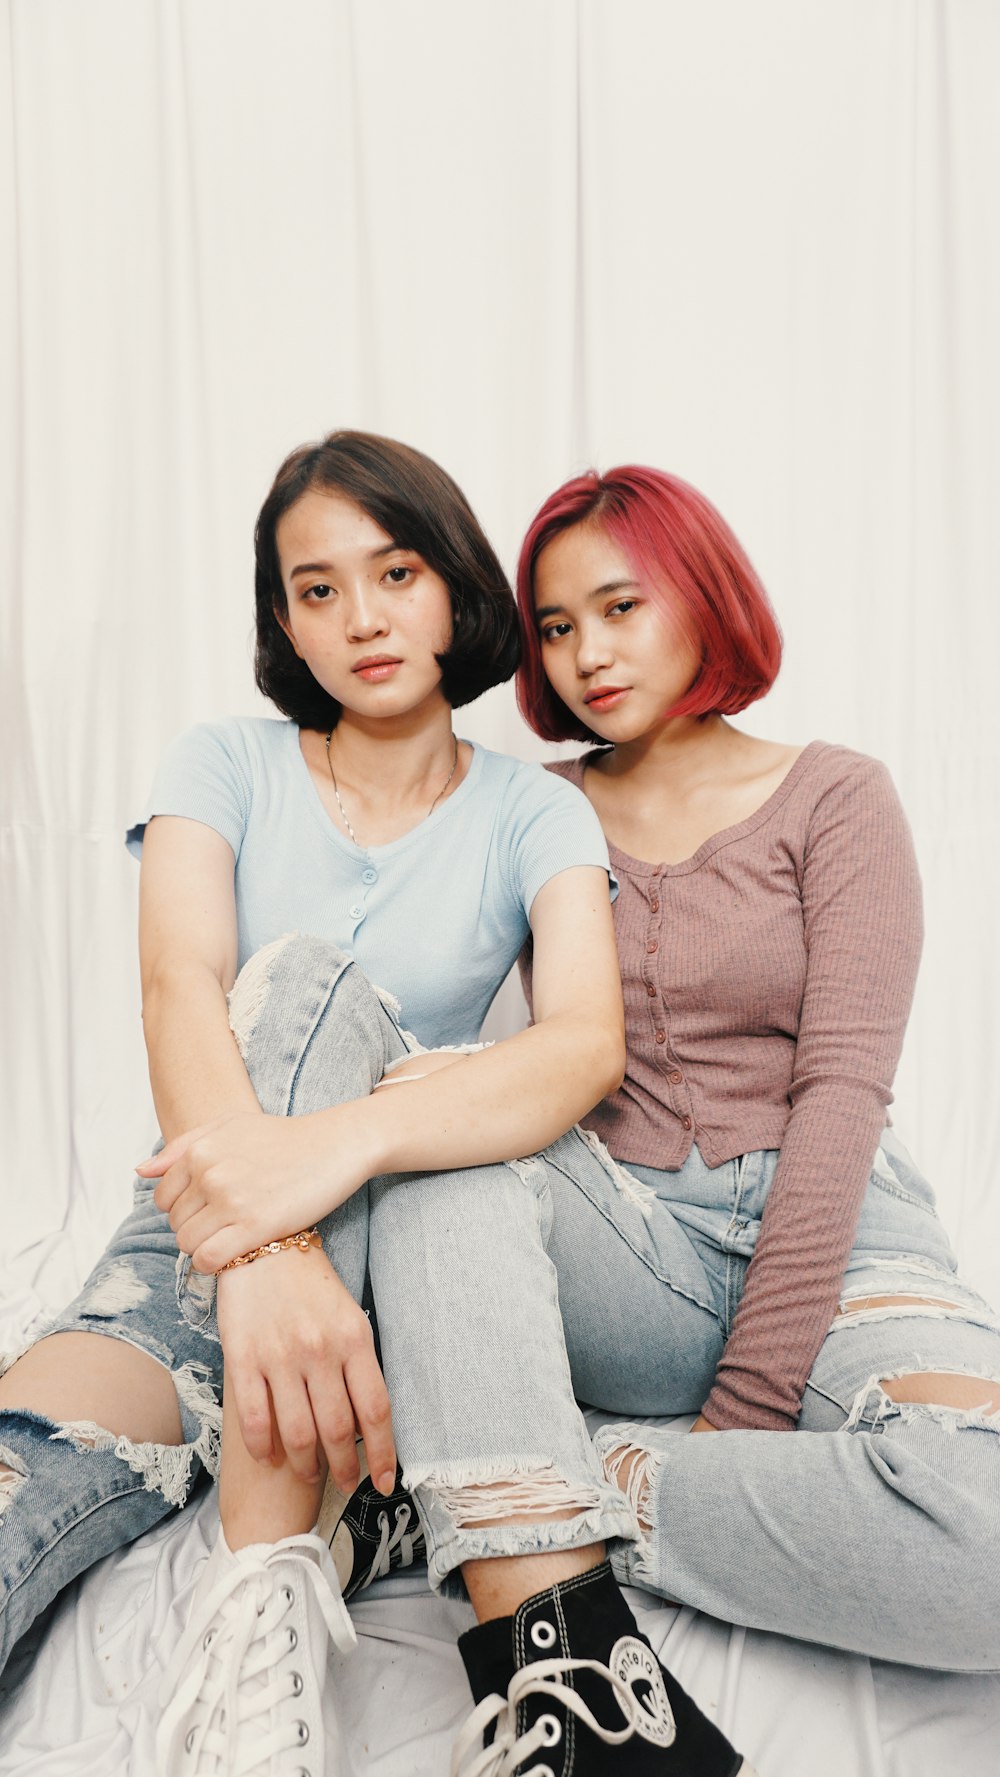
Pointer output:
553, 1729
209, 1638
303, 1732
297, 1684
288, 1595
189, 1739
543, 1634
293, 1640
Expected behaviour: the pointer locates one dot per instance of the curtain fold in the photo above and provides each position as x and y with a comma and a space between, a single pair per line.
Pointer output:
759, 246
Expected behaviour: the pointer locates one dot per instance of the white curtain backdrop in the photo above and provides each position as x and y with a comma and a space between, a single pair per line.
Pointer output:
755, 244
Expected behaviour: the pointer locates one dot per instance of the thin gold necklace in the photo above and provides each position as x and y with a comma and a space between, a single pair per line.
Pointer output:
343, 811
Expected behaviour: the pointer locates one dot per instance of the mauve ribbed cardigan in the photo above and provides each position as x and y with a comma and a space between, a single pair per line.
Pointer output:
767, 983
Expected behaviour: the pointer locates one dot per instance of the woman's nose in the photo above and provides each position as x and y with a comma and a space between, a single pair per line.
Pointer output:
593, 652
365, 618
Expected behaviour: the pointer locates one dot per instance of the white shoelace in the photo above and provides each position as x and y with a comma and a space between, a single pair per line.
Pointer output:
508, 1750
400, 1538
235, 1671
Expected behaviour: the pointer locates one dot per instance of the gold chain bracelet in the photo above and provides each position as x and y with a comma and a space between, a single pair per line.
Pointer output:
304, 1240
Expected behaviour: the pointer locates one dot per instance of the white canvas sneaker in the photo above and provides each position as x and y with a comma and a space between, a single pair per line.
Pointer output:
242, 1695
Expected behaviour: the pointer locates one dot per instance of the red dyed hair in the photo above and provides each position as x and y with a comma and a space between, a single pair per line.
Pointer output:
686, 557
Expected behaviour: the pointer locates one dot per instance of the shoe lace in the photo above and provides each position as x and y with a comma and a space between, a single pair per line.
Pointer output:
400, 1537
508, 1750
236, 1671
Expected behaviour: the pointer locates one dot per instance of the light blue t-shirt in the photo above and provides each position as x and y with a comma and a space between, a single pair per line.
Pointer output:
437, 917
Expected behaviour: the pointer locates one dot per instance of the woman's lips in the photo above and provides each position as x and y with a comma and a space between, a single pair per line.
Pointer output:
608, 699
376, 670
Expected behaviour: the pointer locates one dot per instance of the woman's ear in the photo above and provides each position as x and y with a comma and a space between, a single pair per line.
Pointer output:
281, 619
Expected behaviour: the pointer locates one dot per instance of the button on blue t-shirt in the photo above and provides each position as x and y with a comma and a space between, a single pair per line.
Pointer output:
437, 917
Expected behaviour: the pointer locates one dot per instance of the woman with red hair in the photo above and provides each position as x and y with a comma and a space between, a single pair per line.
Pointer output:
769, 928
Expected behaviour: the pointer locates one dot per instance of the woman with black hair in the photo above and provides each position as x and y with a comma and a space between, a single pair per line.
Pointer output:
352, 1131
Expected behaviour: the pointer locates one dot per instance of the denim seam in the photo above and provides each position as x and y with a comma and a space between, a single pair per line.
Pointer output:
622, 1235
736, 1226
879, 1183
732, 1291
740, 1164
632, 1189
824, 1395
913, 1263
321, 1012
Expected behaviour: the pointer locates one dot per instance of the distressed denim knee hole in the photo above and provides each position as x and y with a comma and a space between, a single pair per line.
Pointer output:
501, 1492
164, 1468
627, 1467
636, 1469
875, 1407
872, 1304
250, 990
13, 1475
113, 1291
944, 1388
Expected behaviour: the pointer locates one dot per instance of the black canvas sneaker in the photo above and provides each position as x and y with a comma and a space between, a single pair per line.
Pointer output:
568, 1687
367, 1534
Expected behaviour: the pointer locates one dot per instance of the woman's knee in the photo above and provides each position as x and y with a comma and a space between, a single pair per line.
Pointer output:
79, 1375
310, 1026
278, 975
86, 1393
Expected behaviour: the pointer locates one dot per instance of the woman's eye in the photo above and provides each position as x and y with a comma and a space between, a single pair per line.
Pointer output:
319, 592
552, 631
399, 575
621, 607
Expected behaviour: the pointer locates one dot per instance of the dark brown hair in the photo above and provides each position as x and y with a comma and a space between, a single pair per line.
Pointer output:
420, 508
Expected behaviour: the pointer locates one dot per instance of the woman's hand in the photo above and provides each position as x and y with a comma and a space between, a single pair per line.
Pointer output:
703, 1424
233, 1184
301, 1364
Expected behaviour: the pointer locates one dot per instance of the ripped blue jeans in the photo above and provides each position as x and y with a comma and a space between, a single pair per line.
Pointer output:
875, 1526
313, 1032
504, 1295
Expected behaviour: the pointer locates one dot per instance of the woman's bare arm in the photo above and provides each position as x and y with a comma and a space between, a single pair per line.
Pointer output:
518, 1096
242, 1181
290, 1331
187, 956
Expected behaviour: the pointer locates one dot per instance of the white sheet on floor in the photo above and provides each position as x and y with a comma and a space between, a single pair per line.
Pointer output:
80, 1700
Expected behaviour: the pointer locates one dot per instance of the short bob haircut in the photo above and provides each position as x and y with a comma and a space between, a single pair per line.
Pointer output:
420, 508
686, 557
